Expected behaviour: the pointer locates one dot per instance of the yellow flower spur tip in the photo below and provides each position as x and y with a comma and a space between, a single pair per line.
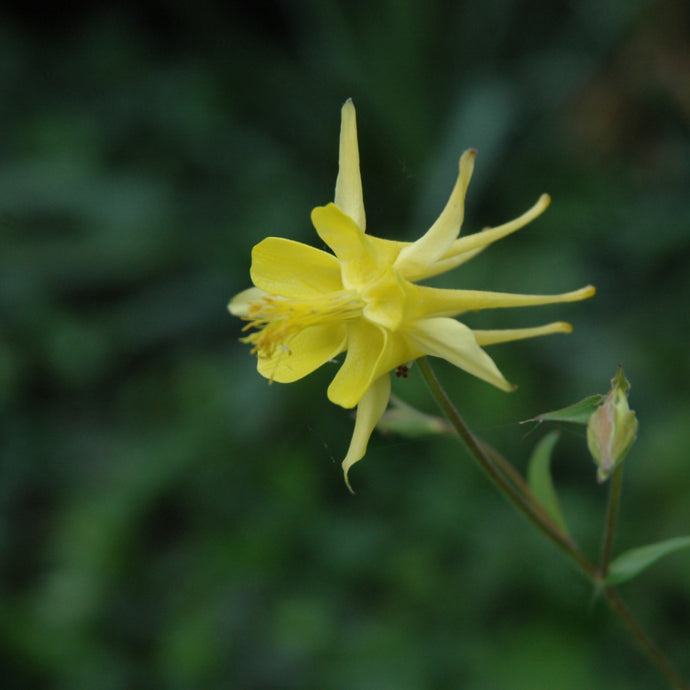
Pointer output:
346, 477
361, 297
466, 165
543, 202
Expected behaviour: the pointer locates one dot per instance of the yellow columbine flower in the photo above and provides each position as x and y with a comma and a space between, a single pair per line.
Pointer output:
308, 305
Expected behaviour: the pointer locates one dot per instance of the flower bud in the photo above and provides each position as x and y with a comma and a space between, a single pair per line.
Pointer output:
612, 428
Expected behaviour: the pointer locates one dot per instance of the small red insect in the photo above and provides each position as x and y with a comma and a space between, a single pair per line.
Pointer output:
402, 371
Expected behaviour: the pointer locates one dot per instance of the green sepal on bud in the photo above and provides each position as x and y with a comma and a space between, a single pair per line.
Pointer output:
612, 428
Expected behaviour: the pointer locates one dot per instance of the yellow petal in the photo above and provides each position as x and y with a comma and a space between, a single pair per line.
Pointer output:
305, 351
428, 301
507, 335
369, 411
239, 304
416, 258
399, 350
358, 260
386, 250
348, 186
365, 346
455, 342
385, 300
292, 269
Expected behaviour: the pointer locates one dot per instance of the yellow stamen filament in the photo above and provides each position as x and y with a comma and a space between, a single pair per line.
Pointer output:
276, 319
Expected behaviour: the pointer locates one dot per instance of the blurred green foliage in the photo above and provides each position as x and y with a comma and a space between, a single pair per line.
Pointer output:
167, 519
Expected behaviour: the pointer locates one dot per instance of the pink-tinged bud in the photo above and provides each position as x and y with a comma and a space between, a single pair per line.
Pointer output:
612, 428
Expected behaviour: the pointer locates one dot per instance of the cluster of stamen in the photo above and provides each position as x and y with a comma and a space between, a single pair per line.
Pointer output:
276, 319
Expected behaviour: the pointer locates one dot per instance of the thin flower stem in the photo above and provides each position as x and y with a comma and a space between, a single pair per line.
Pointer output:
654, 654
525, 505
611, 521
505, 480
513, 475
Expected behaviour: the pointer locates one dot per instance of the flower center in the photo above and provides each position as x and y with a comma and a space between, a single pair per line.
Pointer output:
277, 318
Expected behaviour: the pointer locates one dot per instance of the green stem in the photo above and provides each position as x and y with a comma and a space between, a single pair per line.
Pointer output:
513, 475
654, 654
513, 493
611, 521
504, 479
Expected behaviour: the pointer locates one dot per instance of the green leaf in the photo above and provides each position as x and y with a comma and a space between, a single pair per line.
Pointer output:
634, 561
579, 413
405, 420
539, 477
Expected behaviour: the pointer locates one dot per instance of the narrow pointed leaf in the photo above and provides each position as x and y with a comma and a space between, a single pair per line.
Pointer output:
579, 413
539, 478
408, 422
634, 561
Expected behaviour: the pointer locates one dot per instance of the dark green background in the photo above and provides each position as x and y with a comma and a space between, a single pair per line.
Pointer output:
167, 519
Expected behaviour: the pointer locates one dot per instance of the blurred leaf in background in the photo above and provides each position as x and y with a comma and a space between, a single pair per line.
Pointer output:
169, 520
